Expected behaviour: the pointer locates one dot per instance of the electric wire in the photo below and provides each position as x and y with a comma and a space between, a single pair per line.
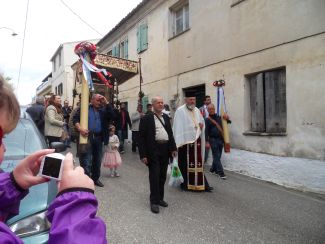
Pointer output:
67, 6
23, 46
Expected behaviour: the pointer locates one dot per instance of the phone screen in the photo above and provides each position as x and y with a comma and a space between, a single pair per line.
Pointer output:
52, 167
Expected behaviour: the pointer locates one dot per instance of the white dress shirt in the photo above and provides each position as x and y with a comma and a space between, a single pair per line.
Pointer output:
161, 133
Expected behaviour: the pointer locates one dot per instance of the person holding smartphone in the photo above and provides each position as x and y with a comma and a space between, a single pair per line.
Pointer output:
72, 214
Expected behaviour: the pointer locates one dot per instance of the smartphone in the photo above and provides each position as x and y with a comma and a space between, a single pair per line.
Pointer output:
51, 166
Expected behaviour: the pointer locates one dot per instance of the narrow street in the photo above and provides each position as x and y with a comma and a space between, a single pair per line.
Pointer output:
240, 210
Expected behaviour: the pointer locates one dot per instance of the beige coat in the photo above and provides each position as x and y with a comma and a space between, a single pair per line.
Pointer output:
53, 122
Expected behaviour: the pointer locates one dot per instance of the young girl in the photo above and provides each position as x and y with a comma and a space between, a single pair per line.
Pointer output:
112, 158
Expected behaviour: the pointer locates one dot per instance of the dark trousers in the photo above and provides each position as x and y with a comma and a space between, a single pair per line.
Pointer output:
122, 135
216, 148
206, 155
157, 173
91, 160
51, 139
135, 139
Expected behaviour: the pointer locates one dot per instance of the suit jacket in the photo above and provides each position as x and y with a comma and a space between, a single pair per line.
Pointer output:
147, 134
37, 112
118, 121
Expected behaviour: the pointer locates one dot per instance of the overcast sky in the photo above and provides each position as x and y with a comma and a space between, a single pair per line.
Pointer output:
49, 23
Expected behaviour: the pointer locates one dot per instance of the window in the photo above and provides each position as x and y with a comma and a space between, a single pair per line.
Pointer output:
120, 50
142, 38
268, 101
180, 18
60, 90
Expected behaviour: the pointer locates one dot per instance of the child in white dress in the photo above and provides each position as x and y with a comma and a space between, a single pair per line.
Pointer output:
112, 158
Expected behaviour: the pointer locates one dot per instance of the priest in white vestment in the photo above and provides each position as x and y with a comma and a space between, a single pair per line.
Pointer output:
189, 134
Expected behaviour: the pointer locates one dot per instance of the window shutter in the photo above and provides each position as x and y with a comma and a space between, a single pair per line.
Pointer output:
257, 103
144, 103
275, 101
126, 49
138, 40
114, 51
144, 37
118, 50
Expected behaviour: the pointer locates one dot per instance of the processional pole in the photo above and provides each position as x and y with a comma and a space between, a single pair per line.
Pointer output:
221, 111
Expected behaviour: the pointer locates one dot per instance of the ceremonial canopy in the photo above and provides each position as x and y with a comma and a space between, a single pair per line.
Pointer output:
121, 69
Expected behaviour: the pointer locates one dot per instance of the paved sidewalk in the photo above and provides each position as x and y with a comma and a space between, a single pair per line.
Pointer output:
298, 173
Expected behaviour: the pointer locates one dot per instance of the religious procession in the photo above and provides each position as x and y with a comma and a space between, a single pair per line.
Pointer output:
167, 121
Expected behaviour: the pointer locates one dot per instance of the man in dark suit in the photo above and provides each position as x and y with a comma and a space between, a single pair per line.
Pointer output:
36, 112
122, 122
156, 145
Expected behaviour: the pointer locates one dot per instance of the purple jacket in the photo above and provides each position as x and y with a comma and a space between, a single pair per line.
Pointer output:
72, 215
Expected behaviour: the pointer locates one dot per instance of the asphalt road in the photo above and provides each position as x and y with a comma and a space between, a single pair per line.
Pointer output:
240, 210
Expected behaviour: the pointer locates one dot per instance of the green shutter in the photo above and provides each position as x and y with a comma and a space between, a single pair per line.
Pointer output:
126, 49
113, 51
144, 37
138, 40
118, 50
144, 103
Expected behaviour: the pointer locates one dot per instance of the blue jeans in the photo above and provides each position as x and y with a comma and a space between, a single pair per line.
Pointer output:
122, 135
91, 161
216, 148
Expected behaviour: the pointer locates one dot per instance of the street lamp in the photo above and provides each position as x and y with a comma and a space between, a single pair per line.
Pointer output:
7, 28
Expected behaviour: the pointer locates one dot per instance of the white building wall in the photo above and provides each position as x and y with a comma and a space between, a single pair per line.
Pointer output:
231, 42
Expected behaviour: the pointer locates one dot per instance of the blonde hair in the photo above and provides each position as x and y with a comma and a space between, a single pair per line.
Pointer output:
9, 105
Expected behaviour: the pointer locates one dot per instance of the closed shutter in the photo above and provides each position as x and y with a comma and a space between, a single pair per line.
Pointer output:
257, 103
138, 40
144, 37
126, 49
144, 103
118, 50
275, 101
114, 51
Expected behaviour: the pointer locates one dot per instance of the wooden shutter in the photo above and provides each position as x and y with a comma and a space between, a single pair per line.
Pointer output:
126, 49
114, 51
257, 103
138, 40
117, 52
144, 103
275, 101
144, 37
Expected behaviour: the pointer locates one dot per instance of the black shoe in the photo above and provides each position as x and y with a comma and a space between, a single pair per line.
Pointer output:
163, 203
222, 175
209, 189
154, 208
212, 171
98, 183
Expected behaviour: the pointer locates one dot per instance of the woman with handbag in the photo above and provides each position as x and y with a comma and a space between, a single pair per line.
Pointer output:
54, 121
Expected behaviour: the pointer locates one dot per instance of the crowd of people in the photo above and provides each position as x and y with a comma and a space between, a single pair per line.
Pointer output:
188, 136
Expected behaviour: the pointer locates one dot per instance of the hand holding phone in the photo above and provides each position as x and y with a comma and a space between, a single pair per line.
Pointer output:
51, 166
26, 171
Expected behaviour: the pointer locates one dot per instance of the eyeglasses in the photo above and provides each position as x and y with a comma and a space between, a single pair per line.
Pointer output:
1, 135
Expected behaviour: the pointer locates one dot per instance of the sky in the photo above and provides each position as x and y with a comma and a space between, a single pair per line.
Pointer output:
49, 23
